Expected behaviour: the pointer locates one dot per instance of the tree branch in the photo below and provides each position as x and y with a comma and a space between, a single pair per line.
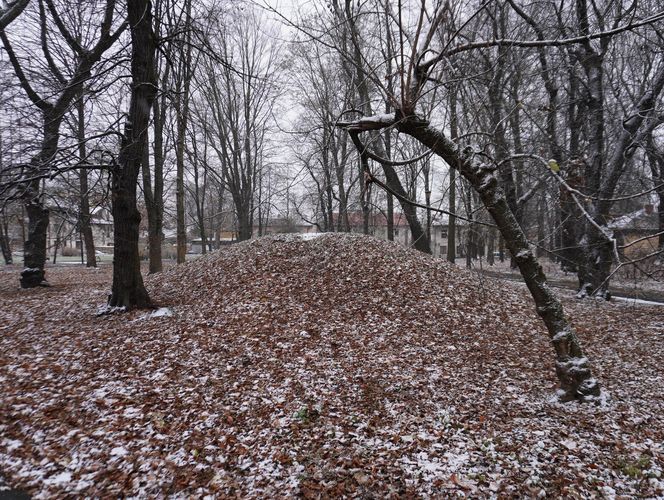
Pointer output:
11, 12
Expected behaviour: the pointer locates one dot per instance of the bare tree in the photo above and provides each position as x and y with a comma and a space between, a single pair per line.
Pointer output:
128, 290
153, 179
11, 11
68, 87
572, 366
84, 197
240, 95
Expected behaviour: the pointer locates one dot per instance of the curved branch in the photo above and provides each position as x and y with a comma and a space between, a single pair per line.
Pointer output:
71, 41
11, 12
44, 44
371, 178
426, 66
34, 97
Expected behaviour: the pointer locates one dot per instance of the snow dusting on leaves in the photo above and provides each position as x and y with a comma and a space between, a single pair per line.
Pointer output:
335, 366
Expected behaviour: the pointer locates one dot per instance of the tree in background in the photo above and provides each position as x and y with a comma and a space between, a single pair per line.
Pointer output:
239, 96
64, 82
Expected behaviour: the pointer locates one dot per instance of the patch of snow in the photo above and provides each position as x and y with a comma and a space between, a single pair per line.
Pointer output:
12, 444
106, 309
119, 451
162, 312
310, 236
59, 480
638, 301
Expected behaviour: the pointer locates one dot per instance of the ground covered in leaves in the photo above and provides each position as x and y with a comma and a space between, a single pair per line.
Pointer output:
339, 366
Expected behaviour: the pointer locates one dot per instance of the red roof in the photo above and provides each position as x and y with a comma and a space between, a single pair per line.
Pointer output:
356, 219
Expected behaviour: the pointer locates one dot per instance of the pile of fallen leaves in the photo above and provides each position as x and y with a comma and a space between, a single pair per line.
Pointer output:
341, 365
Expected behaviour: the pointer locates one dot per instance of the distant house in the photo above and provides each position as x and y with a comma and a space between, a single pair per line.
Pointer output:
637, 231
101, 222
402, 234
279, 225
63, 231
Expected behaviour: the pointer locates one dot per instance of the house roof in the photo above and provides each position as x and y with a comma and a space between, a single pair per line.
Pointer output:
356, 218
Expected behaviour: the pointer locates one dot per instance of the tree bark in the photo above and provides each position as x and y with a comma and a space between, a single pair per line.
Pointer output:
128, 290
182, 108
34, 248
84, 216
572, 366
5, 245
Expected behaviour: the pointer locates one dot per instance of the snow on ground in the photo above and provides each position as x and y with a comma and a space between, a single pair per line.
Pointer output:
337, 366
625, 279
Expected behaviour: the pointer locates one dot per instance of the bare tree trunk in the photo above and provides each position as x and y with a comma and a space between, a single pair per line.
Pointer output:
84, 216
541, 238
153, 207
390, 198
243, 222
470, 232
219, 219
451, 222
34, 248
596, 250
153, 192
656, 163
5, 246
572, 366
182, 109
426, 172
128, 290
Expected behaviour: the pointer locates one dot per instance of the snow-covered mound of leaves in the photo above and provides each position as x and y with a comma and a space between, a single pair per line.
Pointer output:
337, 366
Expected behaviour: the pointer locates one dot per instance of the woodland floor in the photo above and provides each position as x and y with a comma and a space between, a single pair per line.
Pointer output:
339, 366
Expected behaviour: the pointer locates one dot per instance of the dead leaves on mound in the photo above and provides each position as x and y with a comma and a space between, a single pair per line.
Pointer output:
340, 366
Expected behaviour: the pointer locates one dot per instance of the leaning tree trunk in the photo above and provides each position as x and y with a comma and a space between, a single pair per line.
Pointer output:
128, 290
572, 366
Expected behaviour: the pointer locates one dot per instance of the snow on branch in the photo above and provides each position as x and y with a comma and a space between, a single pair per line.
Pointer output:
375, 122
